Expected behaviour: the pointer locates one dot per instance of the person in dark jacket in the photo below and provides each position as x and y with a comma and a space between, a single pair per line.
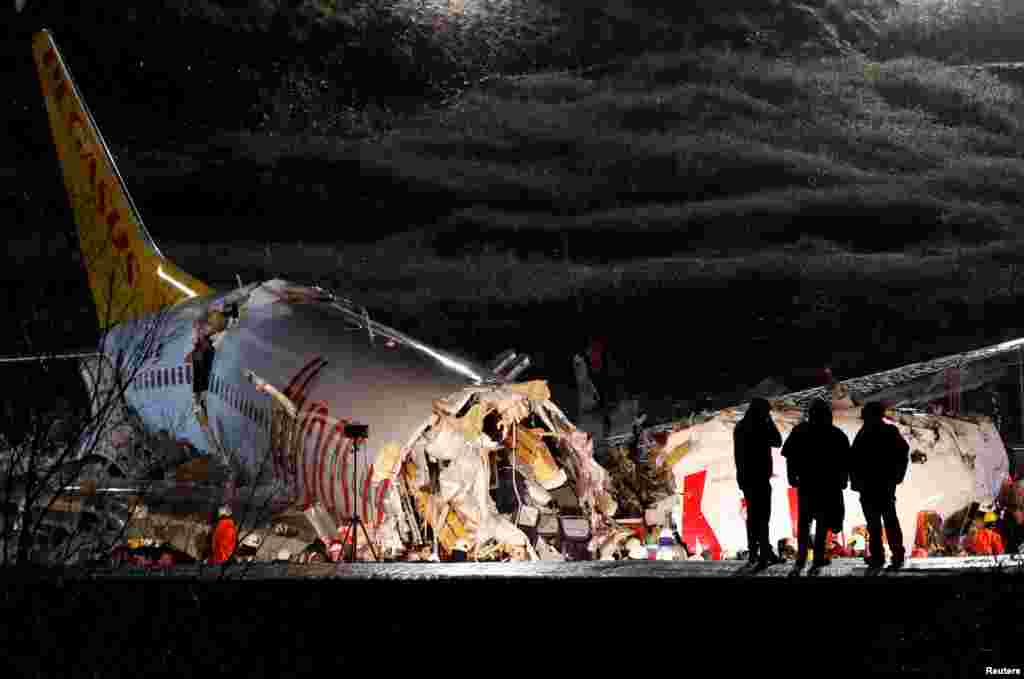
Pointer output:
880, 456
753, 440
816, 455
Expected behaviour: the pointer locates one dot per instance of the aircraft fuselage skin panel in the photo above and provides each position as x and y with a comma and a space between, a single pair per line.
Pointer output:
328, 365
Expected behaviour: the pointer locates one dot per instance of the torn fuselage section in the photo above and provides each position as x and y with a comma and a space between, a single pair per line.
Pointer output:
498, 473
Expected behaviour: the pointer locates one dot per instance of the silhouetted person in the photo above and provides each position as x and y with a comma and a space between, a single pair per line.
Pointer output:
880, 456
753, 440
816, 455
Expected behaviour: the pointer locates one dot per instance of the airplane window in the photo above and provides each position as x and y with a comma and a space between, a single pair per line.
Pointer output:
167, 378
174, 375
159, 380
188, 373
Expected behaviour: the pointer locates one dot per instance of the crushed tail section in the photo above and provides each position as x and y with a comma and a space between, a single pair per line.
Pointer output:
128, 275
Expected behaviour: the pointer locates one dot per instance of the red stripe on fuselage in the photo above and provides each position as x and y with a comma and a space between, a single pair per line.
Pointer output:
695, 524
380, 501
296, 389
344, 480
794, 511
326, 496
315, 416
339, 450
366, 493
282, 456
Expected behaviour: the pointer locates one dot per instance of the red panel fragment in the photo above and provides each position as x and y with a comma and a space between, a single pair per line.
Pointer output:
101, 197
121, 239
695, 524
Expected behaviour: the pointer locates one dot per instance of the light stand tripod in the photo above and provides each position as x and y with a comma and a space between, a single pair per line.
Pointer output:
358, 433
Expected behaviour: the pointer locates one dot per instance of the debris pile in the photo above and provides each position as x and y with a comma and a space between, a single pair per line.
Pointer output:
446, 474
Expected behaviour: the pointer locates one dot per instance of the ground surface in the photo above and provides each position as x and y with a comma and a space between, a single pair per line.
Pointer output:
948, 626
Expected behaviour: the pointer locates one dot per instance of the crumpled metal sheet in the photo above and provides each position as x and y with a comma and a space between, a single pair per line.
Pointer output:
532, 452
462, 509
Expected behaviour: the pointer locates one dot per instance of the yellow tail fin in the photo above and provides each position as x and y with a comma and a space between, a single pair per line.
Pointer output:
128, 275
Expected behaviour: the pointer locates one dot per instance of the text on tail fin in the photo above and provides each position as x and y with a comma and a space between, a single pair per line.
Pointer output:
128, 275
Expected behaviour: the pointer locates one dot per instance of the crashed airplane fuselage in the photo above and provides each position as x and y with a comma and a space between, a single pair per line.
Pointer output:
954, 461
298, 367
311, 404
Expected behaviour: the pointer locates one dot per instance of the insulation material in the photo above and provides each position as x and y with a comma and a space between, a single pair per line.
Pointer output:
386, 465
472, 423
537, 390
532, 451
960, 460
455, 439
446, 441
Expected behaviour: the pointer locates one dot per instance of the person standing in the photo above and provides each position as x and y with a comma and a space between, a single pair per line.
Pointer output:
753, 440
816, 455
225, 536
880, 456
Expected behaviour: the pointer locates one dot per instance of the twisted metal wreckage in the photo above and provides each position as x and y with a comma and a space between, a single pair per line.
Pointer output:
442, 477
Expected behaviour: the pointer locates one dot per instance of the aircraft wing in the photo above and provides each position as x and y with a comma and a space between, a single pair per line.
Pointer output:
50, 357
166, 497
